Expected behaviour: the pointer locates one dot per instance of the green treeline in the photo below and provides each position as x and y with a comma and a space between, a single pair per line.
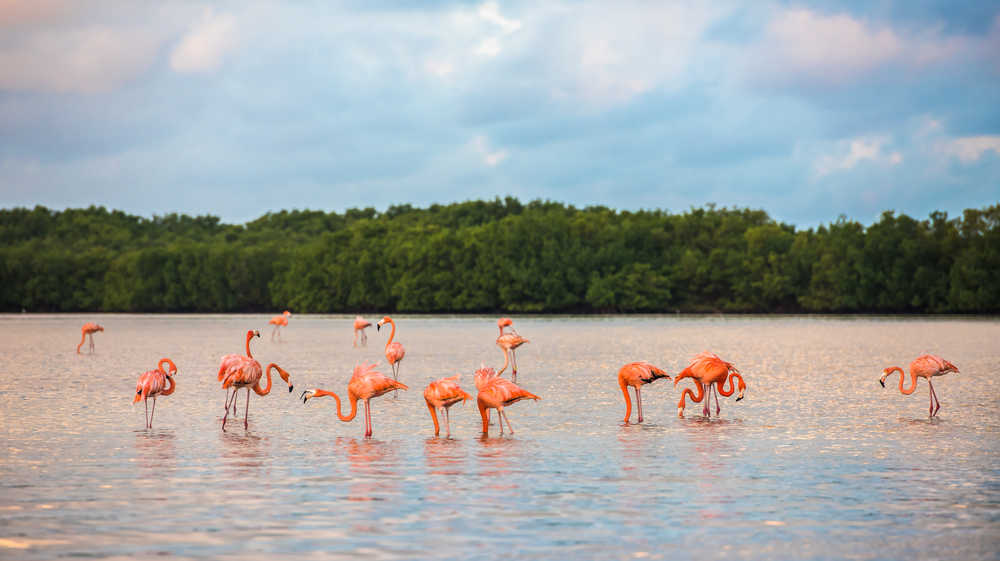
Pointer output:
500, 255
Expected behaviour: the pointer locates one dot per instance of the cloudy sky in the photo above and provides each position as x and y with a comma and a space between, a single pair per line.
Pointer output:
805, 109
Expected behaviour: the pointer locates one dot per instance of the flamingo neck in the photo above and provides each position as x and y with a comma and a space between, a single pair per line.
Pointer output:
628, 399
506, 361
391, 334
732, 385
434, 417
249, 336
170, 386
173, 367
485, 416
354, 404
913, 380
83, 337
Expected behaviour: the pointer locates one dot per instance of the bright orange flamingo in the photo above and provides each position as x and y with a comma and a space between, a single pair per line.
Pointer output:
707, 369
509, 342
365, 384
155, 383
485, 375
497, 394
394, 352
88, 329
926, 366
441, 395
245, 372
278, 322
636, 374
360, 324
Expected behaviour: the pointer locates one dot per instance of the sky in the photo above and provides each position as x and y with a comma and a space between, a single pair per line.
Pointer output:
806, 109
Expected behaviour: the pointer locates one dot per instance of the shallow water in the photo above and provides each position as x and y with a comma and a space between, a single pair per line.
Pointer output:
818, 462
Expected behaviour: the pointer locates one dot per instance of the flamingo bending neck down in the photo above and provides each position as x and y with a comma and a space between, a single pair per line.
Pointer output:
394, 352
926, 366
88, 329
360, 324
509, 342
707, 369
637, 374
155, 383
278, 322
497, 394
365, 384
441, 395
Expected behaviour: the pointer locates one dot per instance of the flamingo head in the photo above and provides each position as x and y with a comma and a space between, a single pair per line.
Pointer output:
172, 368
504, 322
885, 374
99, 328
286, 313
383, 321
306, 395
252, 333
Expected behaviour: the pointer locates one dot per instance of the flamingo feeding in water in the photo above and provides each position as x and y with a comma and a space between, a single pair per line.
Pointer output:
360, 324
238, 372
365, 384
707, 369
394, 352
636, 374
440, 395
509, 342
926, 366
88, 329
155, 383
278, 322
497, 394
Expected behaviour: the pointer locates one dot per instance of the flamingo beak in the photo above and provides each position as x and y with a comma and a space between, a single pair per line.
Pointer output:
378, 326
739, 397
305, 396
882, 381
290, 388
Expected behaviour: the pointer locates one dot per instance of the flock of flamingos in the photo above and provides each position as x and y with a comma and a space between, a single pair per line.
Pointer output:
706, 370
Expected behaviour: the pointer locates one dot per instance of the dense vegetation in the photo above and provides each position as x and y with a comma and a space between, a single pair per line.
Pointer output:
498, 255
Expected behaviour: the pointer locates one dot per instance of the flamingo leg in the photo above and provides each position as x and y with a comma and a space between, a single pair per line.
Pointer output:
355, 343
513, 363
368, 419
447, 423
934, 399
91, 337
146, 404
718, 408
638, 402
706, 411
364, 338
226, 416
246, 413
151, 413
504, 413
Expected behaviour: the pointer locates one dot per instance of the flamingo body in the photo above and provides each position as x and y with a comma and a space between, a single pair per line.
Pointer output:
497, 394
636, 375
440, 395
927, 367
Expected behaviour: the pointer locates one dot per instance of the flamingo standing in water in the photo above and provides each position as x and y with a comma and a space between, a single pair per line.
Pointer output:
278, 322
926, 366
509, 342
238, 372
707, 369
485, 375
497, 394
636, 374
155, 383
394, 352
365, 384
88, 329
441, 395
360, 324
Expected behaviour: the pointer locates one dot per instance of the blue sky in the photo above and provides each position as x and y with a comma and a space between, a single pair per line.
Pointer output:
807, 110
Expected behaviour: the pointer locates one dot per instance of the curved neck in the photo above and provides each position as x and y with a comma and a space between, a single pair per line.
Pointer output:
391, 334
341, 416
628, 400
913, 380
83, 337
249, 336
732, 385
173, 367
485, 416
170, 386
434, 417
267, 371
506, 361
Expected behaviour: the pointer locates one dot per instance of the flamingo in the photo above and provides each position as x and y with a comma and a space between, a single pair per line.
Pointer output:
394, 352
707, 369
154, 383
245, 372
278, 322
360, 324
88, 329
365, 384
497, 394
485, 375
926, 366
508, 342
636, 374
441, 395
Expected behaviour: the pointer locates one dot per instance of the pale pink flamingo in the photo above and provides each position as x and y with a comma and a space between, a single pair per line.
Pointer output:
707, 369
509, 342
246, 372
497, 394
88, 329
636, 374
394, 352
926, 366
365, 384
278, 322
360, 324
441, 395
154, 383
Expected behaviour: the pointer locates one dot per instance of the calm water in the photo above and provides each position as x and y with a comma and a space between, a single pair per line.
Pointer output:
818, 462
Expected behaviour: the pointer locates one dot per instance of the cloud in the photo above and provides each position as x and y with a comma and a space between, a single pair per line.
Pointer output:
970, 148
855, 151
205, 46
488, 155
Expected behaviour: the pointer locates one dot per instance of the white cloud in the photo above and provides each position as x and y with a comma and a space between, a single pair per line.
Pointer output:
852, 152
206, 44
490, 11
489, 156
969, 149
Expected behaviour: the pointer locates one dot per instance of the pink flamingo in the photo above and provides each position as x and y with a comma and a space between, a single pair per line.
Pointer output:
707, 369
360, 324
88, 329
497, 394
441, 395
636, 374
365, 384
394, 352
509, 342
279, 322
246, 372
154, 383
926, 366
485, 375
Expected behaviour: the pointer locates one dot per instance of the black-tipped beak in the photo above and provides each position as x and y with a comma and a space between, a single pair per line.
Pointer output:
378, 327
290, 388
739, 398
882, 382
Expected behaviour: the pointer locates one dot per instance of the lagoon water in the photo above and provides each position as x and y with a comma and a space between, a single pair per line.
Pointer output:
818, 462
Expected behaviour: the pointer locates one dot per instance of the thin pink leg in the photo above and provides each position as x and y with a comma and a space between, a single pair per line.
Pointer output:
934, 399
146, 403
246, 413
708, 399
638, 401
513, 362
368, 419
153, 412
508, 422
718, 408
447, 423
